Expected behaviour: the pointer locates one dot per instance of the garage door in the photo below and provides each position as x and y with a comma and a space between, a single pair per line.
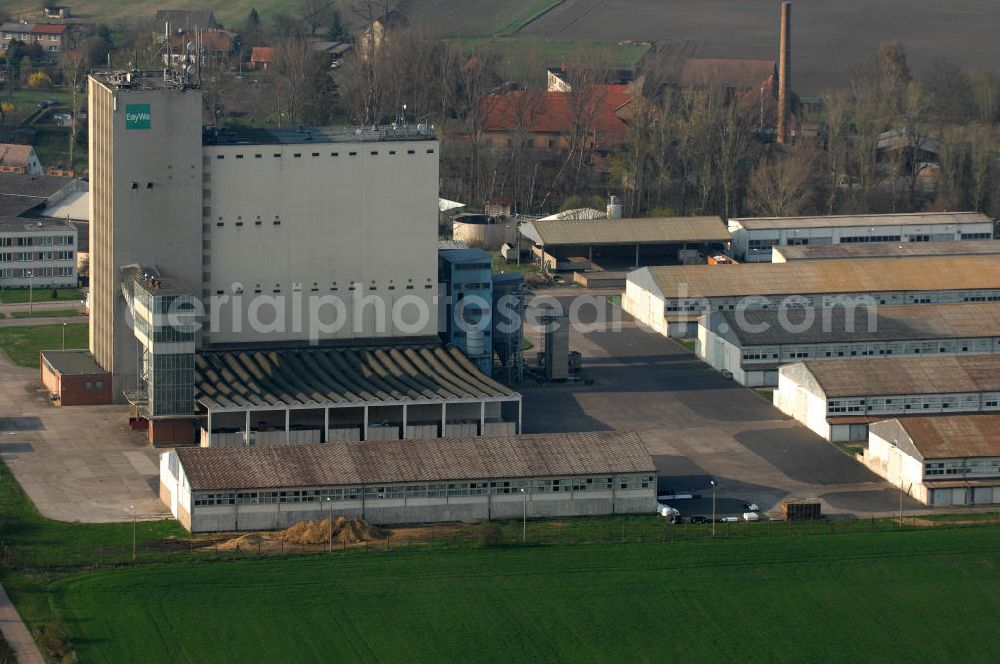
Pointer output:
942, 497
982, 495
859, 432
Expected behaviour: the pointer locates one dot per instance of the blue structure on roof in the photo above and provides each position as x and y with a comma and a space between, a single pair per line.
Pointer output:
466, 281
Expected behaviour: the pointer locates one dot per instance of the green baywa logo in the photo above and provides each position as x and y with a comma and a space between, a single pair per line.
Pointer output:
138, 116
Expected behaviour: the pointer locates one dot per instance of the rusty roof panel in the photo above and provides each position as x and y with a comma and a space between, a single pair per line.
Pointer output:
652, 230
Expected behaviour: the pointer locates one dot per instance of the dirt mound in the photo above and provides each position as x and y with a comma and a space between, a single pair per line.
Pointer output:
243, 543
345, 531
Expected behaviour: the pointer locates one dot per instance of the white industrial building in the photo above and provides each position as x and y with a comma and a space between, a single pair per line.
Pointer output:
823, 252
753, 238
940, 461
413, 481
838, 399
751, 345
671, 299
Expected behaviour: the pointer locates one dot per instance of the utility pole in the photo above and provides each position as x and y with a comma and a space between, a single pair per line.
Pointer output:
713, 507
330, 528
31, 294
524, 518
133, 531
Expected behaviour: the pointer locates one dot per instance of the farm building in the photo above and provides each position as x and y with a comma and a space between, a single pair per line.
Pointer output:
951, 460
753, 238
671, 299
838, 399
613, 244
818, 252
73, 378
751, 345
317, 395
414, 481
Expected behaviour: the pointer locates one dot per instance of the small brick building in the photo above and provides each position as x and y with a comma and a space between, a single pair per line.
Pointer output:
73, 378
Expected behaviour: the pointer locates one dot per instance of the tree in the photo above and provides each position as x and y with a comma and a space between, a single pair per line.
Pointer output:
251, 33
337, 30
315, 13
39, 80
784, 184
986, 95
72, 68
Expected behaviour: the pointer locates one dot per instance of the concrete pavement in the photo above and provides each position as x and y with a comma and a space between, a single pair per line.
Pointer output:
16, 633
41, 320
78, 463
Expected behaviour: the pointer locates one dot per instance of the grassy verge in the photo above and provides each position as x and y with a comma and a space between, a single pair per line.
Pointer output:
22, 344
765, 394
46, 313
687, 343
21, 296
852, 449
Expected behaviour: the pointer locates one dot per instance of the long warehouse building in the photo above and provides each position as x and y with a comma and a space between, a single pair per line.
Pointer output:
670, 300
751, 345
940, 461
414, 481
753, 238
822, 252
838, 399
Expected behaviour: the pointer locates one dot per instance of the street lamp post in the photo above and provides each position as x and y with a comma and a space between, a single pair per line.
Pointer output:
64, 336
31, 293
524, 518
133, 531
329, 502
713, 507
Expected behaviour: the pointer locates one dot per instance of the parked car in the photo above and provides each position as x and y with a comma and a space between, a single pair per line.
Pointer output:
45, 103
751, 507
751, 516
695, 520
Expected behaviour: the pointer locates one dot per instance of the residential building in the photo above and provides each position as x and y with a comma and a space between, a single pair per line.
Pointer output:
52, 37
413, 481
752, 345
186, 20
37, 253
465, 279
821, 252
200, 48
940, 461
15, 31
671, 299
838, 399
754, 237
262, 57
15, 158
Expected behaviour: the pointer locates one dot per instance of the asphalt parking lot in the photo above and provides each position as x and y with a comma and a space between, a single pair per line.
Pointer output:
699, 426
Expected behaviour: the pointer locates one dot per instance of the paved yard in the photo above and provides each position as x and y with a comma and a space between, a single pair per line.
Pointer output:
78, 463
698, 426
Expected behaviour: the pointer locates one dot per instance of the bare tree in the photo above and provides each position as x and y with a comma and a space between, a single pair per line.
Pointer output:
73, 71
784, 183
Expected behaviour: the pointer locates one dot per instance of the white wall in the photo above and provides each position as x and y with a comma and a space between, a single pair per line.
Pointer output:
897, 467
806, 407
645, 307
343, 219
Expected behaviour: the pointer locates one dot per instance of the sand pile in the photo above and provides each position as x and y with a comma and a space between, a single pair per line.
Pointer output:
345, 531
243, 543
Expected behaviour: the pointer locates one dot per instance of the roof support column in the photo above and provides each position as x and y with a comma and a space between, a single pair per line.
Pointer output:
519, 416
326, 426
288, 426
637, 254
444, 419
590, 253
482, 418
209, 424
364, 427
246, 435
403, 433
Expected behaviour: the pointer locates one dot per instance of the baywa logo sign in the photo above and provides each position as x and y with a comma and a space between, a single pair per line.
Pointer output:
137, 116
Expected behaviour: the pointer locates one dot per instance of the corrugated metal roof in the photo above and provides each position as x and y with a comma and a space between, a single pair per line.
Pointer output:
849, 220
954, 436
650, 230
905, 375
811, 277
962, 320
423, 460
328, 376
886, 250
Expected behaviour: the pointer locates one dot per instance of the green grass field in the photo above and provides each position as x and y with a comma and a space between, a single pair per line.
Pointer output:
46, 313
908, 596
21, 295
22, 344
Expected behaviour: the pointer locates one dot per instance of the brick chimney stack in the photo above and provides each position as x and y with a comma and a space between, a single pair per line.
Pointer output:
784, 70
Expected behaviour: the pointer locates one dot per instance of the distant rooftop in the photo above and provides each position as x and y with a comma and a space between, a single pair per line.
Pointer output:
73, 362
954, 374
811, 252
312, 135
947, 437
33, 224
648, 230
851, 220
